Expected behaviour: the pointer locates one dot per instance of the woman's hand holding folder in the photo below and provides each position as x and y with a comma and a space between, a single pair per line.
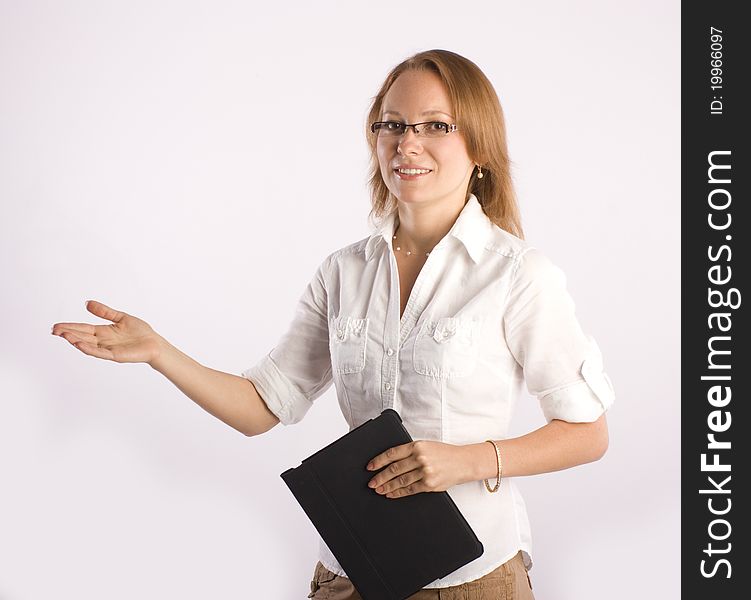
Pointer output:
421, 466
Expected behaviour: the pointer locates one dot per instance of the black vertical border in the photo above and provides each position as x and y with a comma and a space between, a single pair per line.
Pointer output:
702, 133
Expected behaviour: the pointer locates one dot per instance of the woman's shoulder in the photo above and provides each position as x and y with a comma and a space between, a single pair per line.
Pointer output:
505, 243
354, 250
530, 260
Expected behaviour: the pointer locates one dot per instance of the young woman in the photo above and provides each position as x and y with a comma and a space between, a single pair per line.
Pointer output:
441, 314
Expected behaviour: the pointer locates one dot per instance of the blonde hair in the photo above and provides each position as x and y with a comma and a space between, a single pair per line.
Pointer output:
479, 117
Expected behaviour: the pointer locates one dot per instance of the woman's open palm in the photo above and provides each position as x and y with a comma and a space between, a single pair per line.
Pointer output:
127, 339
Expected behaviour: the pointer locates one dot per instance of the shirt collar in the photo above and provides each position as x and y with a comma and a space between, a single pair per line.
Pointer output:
472, 228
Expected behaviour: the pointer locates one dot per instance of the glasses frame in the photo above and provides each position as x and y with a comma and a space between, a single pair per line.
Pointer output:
450, 127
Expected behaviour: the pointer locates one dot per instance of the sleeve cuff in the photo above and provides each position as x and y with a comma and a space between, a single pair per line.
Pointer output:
582, 401
290, 406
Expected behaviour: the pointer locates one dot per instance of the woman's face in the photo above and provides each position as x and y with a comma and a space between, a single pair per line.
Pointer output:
414, 97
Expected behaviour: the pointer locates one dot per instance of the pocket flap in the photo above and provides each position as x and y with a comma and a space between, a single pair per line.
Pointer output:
444, 329
345, 327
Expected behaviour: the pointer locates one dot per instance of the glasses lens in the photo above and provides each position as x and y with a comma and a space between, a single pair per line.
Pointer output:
389, 128
434, 129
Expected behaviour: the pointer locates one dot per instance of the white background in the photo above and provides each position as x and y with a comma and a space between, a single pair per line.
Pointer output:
192, 163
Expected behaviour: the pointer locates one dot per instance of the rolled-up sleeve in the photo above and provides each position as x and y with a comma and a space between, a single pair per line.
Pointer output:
562, 366
298, 369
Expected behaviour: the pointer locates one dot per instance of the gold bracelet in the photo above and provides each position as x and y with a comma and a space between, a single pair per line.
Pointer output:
500, 469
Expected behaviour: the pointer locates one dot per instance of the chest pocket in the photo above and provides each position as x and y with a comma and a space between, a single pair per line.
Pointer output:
348, 342
446, 347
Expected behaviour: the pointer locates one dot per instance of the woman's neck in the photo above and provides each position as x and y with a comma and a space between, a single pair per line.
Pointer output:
420, 228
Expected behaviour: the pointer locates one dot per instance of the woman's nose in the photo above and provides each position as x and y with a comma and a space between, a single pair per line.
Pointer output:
409, 142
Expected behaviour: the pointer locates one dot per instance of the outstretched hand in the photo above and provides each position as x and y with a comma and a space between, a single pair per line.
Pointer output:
127, 339
420, 466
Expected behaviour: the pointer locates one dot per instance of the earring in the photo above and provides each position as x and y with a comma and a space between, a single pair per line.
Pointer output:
479, 172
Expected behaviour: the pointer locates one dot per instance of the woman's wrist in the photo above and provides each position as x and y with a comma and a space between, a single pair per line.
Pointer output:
483, 461
161, 349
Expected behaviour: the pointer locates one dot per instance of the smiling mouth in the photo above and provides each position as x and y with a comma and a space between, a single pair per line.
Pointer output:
411, 173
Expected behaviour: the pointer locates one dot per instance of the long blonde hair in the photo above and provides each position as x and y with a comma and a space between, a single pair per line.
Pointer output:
479, 117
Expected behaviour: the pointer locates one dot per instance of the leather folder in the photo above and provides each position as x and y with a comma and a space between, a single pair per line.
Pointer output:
390, 548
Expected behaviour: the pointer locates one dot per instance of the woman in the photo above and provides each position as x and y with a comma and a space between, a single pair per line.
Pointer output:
440, 314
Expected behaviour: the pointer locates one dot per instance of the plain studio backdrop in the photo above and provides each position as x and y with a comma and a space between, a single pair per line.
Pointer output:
191, 163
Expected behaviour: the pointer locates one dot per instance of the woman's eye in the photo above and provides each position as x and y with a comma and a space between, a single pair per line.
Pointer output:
438, 126
393, 125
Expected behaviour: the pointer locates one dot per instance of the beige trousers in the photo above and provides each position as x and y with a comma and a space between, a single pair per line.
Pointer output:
510, 581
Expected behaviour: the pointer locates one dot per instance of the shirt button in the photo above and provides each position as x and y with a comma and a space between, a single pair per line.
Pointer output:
340, 334
389, 351
387, 386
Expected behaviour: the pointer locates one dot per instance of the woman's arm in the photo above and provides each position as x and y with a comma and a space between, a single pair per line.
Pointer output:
553, 447
230, 398
430, 466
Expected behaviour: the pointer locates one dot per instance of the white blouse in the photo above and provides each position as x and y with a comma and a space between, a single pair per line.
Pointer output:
486, 312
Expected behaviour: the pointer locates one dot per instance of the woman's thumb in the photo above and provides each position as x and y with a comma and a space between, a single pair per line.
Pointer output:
103, 311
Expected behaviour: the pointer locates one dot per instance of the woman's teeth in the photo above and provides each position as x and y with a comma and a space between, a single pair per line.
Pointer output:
414, 171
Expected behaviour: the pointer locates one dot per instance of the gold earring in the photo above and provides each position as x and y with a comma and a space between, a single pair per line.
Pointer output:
479, 172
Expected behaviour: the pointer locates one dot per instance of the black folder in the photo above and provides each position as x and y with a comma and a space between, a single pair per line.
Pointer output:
389, 547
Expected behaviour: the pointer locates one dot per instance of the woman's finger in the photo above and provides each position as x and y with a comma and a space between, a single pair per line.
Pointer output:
394, 471
77, 336
392, 454
93, 350
409, 490
59, 328
104, 311
400, 481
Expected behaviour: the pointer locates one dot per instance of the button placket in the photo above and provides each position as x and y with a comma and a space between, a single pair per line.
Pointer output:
394, 329
389, 377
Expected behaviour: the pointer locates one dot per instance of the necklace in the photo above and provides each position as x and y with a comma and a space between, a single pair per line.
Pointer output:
408, 252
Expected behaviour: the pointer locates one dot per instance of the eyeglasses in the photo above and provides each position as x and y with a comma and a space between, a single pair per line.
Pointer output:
428, 129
